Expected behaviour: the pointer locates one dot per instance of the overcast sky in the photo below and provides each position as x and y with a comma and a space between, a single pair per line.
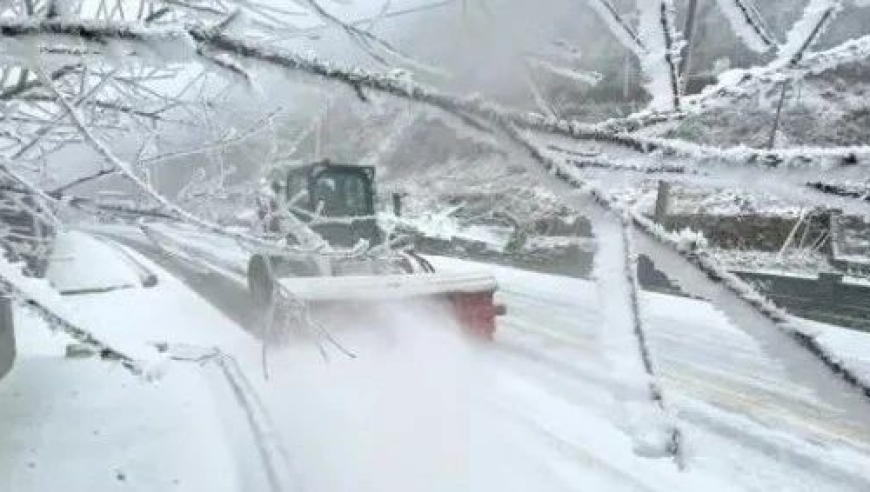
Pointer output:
350, 10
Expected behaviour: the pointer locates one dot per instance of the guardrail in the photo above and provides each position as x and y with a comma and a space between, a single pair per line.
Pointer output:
826, 298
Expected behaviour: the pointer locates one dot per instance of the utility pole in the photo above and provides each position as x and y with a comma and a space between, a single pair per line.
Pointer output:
7, 335
663, 201
689, 35
772, 141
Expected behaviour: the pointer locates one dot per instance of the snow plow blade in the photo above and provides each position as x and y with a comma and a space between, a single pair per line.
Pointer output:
471, 295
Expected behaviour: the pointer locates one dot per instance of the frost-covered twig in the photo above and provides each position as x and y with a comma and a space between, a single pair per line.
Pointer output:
44, 199
306, 236
231, 138
60, 190
385, 13
370, 43
50, 125
293, 309
18, 90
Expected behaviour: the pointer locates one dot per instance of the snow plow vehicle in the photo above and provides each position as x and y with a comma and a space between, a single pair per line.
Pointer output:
337, 202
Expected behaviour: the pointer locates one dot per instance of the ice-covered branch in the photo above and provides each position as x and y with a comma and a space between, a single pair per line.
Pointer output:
661, 60
657, 45
625, 337
618, 26
842, 190
816, 18
852, 51
761, 308
481, 109
747, 24
500, 116
738, 84
745, 293
97, 31
80, 181
228, 140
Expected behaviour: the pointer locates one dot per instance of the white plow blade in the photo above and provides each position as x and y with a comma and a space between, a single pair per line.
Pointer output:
471, 295
387, 287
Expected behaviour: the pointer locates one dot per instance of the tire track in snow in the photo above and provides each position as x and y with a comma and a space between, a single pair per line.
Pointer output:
558, 376
792, 363
568, 428
763, 388
615, 476
800, 456
590, 376
584, 343
766, 409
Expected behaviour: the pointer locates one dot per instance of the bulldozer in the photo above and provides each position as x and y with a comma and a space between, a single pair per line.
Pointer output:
338, 203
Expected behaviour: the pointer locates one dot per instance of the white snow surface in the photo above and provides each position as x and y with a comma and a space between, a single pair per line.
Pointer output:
420, 407
83, 425
80, 262
851, 347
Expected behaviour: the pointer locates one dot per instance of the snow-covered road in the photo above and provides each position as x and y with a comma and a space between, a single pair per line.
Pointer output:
742, 415
419, 408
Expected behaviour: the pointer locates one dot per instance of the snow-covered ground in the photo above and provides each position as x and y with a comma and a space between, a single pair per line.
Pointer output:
419, 407
87, 425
